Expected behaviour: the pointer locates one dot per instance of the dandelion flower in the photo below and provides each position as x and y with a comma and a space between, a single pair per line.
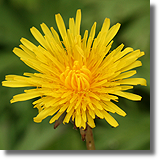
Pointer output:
78, 78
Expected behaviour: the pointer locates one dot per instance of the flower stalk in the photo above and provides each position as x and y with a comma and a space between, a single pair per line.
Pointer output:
89, 139
87, 135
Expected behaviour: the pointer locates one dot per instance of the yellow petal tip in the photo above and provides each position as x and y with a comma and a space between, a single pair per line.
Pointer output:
37, 121
12, 101
116, 125
3, 83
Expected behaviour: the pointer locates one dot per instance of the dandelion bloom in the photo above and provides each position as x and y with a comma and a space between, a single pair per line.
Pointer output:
78, 78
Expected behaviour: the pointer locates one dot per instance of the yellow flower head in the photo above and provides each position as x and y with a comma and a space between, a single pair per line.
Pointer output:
78, 79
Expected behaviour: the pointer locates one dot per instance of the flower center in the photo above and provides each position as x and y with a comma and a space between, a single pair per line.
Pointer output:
76, 78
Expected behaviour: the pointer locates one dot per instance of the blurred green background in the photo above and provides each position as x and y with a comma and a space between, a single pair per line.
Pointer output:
17, 129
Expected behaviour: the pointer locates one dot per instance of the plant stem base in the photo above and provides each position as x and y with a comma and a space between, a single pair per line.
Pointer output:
89, 139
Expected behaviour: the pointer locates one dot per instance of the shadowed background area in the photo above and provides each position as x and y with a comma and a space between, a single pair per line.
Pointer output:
17, 129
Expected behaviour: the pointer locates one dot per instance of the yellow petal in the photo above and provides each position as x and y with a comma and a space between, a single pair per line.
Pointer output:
71, 25
91, 112
126, 87
97, 104
91, 94
46, 30
134, 81
84, 40
112, 32
15, 84
78, 120
90, 39
131, 66
125, 75
122, 53
114, 107
15, 77
80, 51
29, 52
28, 44
64, 107
26, 96
90, 121
110, 119
84, 117
20, 53
54, 118
83, 124
38, 36
45, 113
34, 64
56, 36
128, 95
78, 22
61, 26
98, 113
68, 116
93, 30
105, 25
66, 94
